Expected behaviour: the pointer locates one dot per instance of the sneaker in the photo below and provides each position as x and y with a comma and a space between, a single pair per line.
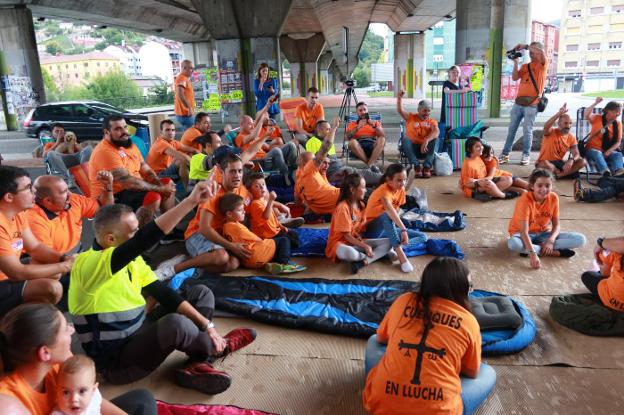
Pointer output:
172, 237
407, 267
511, 194
426, 173
237, 339
504, 158
356, 266
566, 253
525, 160
203, 377
606, 173
275, 268
166, 270
375, 169
293, 222
579, 192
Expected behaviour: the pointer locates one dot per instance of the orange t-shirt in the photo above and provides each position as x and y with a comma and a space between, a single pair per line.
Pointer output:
374, 207
189, 137
106, 156
320, 196
611, 290
264, 228
526, 88
37, 403
539, 215
555, 145
492, 163
240, 143
61, 231
309, 118
596, 125
418, 129
212, 206
297, 190
11, 242
472, 168
345, 219
367, 131
157, 159
189, 95
48, 146
262, 250
395, 386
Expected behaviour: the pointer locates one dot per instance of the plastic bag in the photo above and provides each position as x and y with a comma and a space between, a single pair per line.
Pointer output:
420, 196
442, 164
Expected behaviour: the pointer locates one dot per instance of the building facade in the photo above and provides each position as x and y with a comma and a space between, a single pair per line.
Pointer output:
129, 59
548, 35
591, 46
440, 49
76, 70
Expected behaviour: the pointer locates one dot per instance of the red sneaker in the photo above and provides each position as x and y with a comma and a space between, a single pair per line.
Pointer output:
203, 377
237, 339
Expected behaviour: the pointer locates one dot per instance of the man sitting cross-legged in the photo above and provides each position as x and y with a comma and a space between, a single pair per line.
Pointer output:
19, 282
366, 137
556, 144
124, 337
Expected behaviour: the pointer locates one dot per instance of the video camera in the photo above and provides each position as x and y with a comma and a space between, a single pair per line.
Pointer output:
514, 53
350, 82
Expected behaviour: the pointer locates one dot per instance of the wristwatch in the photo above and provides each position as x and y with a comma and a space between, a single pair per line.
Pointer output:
599, 242
210, 325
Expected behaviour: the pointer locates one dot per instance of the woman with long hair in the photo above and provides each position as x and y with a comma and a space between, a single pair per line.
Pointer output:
264, 88
605, 139
345, 241
34, 340
432, 339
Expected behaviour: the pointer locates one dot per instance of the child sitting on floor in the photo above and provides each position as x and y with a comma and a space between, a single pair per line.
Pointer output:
263, 251
77, 390
344, 241
607, 285
491, 165
474, 180
382, 214
534, 228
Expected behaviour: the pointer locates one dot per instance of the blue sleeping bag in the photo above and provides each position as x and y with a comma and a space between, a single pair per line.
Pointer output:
434, 221
313, 242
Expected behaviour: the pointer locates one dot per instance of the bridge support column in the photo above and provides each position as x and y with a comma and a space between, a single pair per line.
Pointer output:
302, 55
200, 53
20, 71
325, 76
410, 65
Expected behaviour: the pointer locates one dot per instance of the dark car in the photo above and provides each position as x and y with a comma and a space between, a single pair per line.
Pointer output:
82, 117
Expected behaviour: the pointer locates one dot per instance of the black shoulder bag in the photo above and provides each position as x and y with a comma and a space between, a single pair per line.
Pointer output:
543, 101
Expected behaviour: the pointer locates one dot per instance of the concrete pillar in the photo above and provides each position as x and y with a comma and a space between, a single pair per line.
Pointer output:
200, 53
22, 82
410, 65
302, 53
325, 77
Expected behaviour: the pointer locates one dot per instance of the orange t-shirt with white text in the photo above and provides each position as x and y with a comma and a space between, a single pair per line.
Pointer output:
596, 125
539, 215
179, 109
11, 242
374, 207
308, 117
472, 168
417, 129
611, 290
107, 157
264, 228
396, 385
526, 88
320, 196
262, 250
157, 159
345, 219
555, 145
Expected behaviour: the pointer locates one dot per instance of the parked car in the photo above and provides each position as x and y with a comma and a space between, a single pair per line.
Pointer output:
82, 117
373, 88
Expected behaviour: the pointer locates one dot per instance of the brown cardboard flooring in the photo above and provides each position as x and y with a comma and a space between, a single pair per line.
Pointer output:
563, 372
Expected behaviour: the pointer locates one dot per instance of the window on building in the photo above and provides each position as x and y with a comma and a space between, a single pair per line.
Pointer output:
618, 9
573, 30
615, 45
86, 64
98, 64
595, 28
596, 10
75, 66
592, 63
593, 46
58, 67
67, 76
438, 40
613, 62
66, 66
574, 13
87, 74
572, 48
572, 64
616, 27
75, 75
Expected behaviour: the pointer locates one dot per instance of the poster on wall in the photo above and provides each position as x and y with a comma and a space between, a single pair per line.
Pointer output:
21, 97
509, 87
205, 82
473, 74
231, 82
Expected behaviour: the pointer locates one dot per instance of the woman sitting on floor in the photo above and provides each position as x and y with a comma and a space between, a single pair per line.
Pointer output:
432, 338
474, 180
534, 229
345, 242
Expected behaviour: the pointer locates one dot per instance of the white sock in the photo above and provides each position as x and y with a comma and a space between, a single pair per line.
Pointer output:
407, 267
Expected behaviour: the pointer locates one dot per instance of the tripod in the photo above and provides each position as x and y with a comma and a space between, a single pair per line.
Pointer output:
345, 107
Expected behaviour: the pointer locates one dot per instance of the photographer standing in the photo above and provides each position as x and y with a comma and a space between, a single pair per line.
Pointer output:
532, 77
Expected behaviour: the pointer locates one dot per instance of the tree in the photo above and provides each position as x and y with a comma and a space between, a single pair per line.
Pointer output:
53, 48
370, 52
115, 88
52, 91
162, 93
362, 75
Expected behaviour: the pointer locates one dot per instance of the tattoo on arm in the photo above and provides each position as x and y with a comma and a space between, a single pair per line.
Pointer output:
130, 182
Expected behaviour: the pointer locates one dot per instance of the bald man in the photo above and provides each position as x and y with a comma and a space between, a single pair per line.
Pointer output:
184, 97
56, 217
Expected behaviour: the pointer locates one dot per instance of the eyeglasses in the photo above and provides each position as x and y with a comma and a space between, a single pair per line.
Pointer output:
29, 188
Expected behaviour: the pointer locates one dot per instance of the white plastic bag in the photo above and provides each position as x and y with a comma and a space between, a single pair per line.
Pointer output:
442, 164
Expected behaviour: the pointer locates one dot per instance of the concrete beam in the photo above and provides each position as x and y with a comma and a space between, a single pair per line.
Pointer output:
302, 50
200, 53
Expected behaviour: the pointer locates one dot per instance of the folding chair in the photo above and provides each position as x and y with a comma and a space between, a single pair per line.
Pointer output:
288, 108
43, 140
375, 116
461, 112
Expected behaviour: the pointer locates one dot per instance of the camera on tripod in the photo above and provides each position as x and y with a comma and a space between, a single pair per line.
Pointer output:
514, 53
350, 82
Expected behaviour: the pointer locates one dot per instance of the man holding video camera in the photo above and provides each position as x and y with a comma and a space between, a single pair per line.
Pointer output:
366, 137
532, 77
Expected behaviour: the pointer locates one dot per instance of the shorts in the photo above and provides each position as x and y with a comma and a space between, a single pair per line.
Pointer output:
11, 295
197, 244
171, 171
368, 145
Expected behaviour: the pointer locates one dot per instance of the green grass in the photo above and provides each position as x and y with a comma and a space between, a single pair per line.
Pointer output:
381, 94
63, 41
616, 93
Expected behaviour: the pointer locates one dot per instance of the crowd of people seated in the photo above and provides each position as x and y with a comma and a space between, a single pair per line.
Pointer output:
128, 320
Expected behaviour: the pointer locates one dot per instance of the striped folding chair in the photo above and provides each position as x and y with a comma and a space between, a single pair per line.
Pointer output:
288, 107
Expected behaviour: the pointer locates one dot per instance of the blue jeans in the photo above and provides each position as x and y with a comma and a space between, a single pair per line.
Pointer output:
413, 153
186, 121
473, 391
518, 112
565, 240
602, 163
383, 227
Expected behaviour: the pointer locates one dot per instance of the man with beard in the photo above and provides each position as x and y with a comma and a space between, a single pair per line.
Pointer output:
556, 144
201, 127
56, 217
134, 183
366, 136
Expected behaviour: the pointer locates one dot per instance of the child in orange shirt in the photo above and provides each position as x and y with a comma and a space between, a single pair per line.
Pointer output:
263, 251
534, 228
491, 165
345, 241
382, 214
474, 180
608, 284
432, 339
